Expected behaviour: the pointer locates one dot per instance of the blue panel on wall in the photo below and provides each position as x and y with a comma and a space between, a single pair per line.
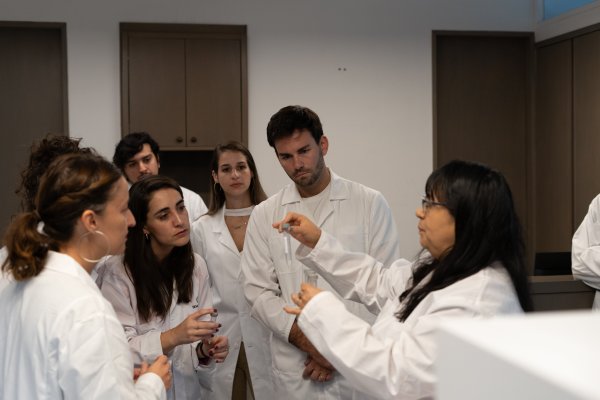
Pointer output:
552, 8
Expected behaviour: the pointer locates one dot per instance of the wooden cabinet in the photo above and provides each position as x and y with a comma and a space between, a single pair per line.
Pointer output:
567, 135
553, 149
184, 84
586, 122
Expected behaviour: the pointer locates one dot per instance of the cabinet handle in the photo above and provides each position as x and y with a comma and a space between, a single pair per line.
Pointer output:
179, 139
193, 139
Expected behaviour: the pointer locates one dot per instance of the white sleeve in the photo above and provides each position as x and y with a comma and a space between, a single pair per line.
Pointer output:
205, 300
383, 235
119, 291
356, 276
194, 204
395, 365
259, 279
94, 359
585, 256
197, 238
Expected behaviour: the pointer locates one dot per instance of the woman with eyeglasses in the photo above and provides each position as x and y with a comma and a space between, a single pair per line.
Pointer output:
471, 266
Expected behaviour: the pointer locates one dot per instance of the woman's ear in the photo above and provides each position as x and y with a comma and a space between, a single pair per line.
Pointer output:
88, 218
214, 176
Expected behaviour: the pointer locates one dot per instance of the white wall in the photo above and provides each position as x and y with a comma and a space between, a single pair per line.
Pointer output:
377, 113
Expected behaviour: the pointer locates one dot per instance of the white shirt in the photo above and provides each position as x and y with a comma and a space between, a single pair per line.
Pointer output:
212, 240
194, 204
61, 340
360, 218
390, 359
188, 374
585, 252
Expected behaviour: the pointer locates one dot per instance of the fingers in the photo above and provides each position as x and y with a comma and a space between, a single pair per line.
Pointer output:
219, 348
314, 371
292, 310
202, 312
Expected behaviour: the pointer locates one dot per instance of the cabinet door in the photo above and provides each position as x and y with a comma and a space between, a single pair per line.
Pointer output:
553, 149
156, 87
482, 105
33, 99
586, 122
214, 91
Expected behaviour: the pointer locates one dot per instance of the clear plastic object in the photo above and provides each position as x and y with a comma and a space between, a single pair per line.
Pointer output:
310, 277
287, 244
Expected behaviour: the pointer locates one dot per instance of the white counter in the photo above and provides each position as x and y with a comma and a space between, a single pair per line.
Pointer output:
549, 356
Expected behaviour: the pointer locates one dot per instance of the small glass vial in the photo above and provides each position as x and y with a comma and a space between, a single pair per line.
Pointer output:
310, 277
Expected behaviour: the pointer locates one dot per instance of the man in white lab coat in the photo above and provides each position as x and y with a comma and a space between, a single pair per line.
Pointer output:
137, 156
356, 215
585, 252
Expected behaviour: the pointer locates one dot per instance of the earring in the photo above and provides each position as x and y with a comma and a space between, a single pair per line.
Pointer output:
89, 236
217, 187
147, 236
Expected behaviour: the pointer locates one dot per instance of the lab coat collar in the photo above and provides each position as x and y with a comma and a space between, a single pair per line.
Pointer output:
339, 191
64, 264
219, 228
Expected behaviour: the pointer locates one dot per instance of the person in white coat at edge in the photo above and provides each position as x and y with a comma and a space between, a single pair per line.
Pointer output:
160, 289
471, 266
585, 251
42, 153
355, 214
60, 338
218, 236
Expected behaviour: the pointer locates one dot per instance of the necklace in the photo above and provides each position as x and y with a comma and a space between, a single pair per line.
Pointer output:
243, 213
244, 223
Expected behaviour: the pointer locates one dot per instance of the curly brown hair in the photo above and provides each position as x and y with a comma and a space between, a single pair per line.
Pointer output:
42, 154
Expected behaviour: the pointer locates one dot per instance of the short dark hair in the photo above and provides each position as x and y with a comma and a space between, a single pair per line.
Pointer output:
290, 119
487, 229
132, 144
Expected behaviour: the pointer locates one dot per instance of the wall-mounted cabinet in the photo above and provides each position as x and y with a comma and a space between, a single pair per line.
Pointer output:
184, 84
567, 135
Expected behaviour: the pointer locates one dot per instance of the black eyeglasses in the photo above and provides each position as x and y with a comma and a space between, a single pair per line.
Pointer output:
427, 204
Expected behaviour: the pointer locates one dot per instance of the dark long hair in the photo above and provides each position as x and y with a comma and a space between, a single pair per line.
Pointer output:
72, 184
217, 196
487, 229
153, 280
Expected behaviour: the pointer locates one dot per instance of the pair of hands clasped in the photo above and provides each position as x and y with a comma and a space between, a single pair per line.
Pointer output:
316, 367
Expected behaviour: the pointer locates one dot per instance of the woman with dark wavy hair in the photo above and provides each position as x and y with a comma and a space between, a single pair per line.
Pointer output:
471, 266
160, 288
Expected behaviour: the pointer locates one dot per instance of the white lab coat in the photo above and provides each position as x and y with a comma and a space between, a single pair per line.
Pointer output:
212, 240
194, 204
585, 252
5, 277
61, 339
390, 359
188, 375
360, 218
